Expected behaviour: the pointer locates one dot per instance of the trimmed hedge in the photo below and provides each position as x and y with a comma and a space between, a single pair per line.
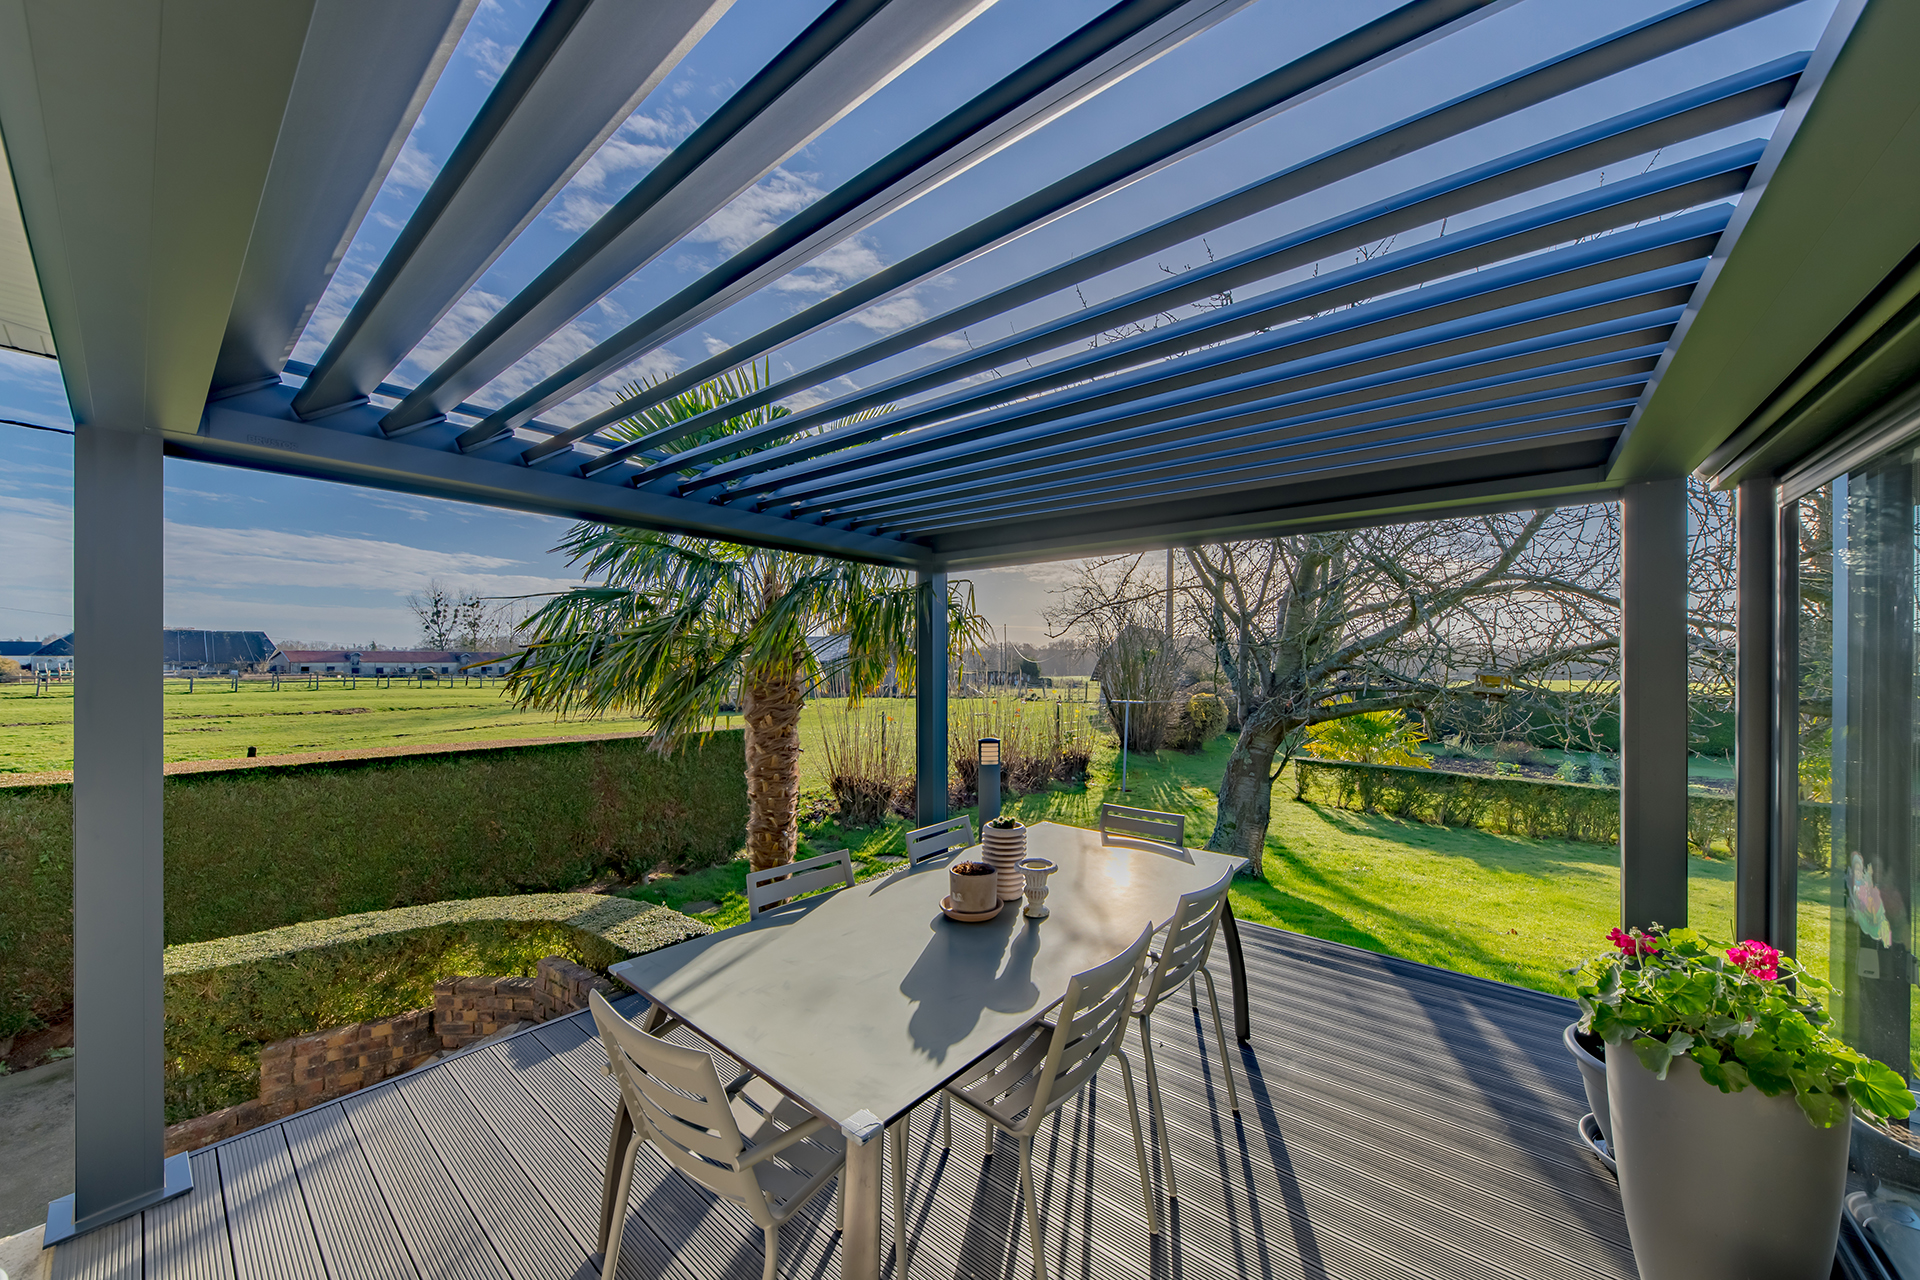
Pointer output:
227, 998
259, 848
1525, 806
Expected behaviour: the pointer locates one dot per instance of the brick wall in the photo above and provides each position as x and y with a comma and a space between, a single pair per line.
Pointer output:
323, 1065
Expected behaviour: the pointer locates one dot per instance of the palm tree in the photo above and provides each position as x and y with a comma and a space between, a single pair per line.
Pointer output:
671, 627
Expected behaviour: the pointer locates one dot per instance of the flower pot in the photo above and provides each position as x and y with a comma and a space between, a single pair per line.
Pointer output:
970, 887
1722, 1186
1588, 1053
1004, 848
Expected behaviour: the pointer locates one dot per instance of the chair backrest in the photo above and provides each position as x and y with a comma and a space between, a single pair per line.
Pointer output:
1188, 942
777, 886
1149, 824
1089, 1022
939, 839
675, 1096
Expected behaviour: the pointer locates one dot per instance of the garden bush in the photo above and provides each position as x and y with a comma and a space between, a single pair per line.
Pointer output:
227, 998
253, 849
1525, 806
1202, 719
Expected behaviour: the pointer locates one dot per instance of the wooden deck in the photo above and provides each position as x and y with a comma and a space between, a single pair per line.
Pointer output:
1397, 1121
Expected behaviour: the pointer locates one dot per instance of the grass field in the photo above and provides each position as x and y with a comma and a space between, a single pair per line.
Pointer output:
1517, 910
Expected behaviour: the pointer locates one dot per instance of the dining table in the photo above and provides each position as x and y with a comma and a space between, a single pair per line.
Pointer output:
861, 1003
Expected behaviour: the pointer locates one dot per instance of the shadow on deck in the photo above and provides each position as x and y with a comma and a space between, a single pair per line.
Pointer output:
1397, 1121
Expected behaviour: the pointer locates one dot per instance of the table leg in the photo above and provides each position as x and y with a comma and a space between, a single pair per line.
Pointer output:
860, 1241
1237, 967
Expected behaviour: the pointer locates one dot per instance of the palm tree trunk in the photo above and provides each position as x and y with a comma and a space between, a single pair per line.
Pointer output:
771, 708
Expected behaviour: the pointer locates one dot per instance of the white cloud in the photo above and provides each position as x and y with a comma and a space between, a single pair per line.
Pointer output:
758, 210
493, 58
209, 559
413, 169
713, 345
892, 315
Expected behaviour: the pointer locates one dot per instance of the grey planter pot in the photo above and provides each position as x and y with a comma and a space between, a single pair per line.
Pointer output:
1593, 1074
1723, 1186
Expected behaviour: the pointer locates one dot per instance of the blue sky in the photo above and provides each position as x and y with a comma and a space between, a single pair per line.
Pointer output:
307, 560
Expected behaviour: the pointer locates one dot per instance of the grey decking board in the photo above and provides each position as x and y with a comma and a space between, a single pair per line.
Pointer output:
186, 1237
446, 1240
113, 1252
527, 1233
357, 1234
266, 1214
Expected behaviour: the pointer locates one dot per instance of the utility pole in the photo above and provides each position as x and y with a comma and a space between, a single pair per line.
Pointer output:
1169, 593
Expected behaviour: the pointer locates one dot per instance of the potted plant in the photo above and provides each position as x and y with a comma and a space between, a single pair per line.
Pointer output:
1004, 842
1731, 1104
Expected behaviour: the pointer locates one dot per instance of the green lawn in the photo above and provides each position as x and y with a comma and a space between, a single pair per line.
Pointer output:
1504, 907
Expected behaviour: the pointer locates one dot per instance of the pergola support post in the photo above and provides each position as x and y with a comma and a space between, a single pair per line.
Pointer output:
1653, 703
1783, 883
118, 927
1756, 610
930, 697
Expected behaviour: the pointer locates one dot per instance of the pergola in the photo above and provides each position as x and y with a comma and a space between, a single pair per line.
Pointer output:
189, 174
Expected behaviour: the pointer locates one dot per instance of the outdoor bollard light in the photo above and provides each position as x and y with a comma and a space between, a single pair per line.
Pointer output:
989, 780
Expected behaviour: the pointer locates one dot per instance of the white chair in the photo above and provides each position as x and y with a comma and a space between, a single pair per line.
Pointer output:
1145, 824
780, 886
938, 840
1182, 958
1032, 1075
745, 1142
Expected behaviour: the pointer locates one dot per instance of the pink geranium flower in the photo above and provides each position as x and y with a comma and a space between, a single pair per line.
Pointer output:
1756, 958
1633, 944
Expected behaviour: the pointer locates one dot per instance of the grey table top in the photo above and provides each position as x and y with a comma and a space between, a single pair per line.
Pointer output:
862, 1003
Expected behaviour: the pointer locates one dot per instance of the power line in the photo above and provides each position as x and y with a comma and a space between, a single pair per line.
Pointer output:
35, 426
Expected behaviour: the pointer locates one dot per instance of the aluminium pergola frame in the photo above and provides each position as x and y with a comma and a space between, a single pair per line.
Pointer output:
189, 174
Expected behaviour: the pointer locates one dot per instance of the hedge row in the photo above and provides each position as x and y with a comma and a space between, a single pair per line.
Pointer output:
1525, 806
259, 848
227, 998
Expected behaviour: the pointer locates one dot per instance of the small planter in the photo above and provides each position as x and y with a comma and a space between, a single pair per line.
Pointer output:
1722, 1186
1004, 847
1589, 1054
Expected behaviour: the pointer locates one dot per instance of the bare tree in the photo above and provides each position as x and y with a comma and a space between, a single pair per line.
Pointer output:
450, 619
1433, 618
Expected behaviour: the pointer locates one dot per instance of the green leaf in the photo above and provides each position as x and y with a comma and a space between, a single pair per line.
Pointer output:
1654, 1054
1878, 1090
1824, 1109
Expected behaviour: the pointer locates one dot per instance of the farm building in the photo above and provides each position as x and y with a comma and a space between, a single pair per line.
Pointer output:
386, 662
191, 649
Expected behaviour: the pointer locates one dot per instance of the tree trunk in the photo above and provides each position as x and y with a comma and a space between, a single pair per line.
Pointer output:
770, 708
1246, 791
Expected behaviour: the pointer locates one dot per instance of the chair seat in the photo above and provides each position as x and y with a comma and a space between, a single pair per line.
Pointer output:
1004, 1087
790, 1178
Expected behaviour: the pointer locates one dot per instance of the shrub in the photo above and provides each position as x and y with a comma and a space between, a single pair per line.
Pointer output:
1201, 720
865, 768
1377, 737
9, 671
227, 998
255, 849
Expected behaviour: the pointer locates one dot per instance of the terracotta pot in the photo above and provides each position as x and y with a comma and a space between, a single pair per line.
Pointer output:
1722, 1186
1004, 848
973, 886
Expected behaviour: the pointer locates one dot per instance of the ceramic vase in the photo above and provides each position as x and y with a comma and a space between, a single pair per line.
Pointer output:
1722, 1186
1036, 871
1004, 847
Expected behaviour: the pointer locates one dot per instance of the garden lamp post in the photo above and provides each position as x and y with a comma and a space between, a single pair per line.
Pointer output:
989, 780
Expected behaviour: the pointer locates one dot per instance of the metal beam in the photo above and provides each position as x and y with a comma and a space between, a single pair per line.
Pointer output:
259, 430
1756, 703
365, 73
119, 936
1783, 881
1677, 27
930, 697
578, 75
1829, 217
1653, 703
838, 61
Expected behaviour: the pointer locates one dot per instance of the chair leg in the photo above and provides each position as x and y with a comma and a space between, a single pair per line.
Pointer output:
771, 1270
840, 1202
1034, 1242
897, 1157
622, 1132
1139, 1144
946, 1123
1154, 1105
1220, 1038
610, 1263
